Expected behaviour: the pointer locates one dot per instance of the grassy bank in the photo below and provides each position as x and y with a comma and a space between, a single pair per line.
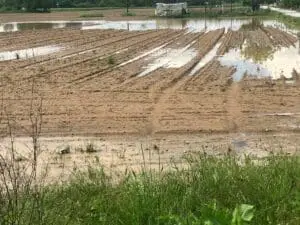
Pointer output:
236, 12
83, 9
210, 191
91, 14
292, 22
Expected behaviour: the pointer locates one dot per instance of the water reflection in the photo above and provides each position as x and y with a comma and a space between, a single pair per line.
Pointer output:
29, 53
257, 53
12, 27
279, 63
9, 28
254, 24
259, 58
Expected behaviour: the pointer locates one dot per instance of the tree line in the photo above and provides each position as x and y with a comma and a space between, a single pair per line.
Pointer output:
39, 4
29, 5
43, 5
46, 4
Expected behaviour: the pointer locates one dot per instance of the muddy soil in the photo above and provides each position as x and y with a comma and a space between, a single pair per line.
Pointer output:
119, 154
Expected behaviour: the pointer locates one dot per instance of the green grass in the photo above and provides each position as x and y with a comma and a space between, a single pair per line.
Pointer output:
82, 9
211, 191
128, 13
291, 22
92, 14
94, 8
236, 12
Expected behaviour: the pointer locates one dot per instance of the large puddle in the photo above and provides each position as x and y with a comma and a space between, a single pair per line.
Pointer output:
195, 25
263, 62
169, 58
208, 57
29, 53
36, 25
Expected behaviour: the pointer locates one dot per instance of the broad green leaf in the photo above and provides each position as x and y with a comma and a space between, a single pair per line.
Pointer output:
247, 212
208, 222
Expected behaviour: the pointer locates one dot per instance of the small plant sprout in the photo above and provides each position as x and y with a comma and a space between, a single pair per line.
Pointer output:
111, 60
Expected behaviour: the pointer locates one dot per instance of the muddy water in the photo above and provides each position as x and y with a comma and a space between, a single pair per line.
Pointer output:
29, 53
265, 62
169, 58
35, 25
190, 24
208, 57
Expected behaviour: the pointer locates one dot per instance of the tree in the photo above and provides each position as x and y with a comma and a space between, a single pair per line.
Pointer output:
291, 3
255, 4
38, 5
12, 4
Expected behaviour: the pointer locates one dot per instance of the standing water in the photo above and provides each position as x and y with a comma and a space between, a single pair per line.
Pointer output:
29, 53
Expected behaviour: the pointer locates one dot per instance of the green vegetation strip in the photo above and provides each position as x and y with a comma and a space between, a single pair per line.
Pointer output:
91, 14
210, 191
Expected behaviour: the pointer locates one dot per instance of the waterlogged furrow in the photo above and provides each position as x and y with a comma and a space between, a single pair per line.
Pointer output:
130, 68
119, 60
75, 65
279, 37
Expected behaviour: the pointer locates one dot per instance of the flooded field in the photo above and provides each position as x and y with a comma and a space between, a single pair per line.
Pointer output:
227, 82
195, 25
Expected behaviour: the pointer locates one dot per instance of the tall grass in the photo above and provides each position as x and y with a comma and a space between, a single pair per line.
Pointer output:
210, 190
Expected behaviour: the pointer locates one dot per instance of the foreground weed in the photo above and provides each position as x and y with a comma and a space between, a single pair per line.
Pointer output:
211, 191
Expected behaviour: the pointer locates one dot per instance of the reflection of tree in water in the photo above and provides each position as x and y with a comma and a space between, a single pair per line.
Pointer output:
74, 25
253, 25
183, 23
32, 26
257, 53
8, 27
36, 26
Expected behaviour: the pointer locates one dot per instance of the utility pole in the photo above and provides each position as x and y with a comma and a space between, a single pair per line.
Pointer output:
127, 7
206, 3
